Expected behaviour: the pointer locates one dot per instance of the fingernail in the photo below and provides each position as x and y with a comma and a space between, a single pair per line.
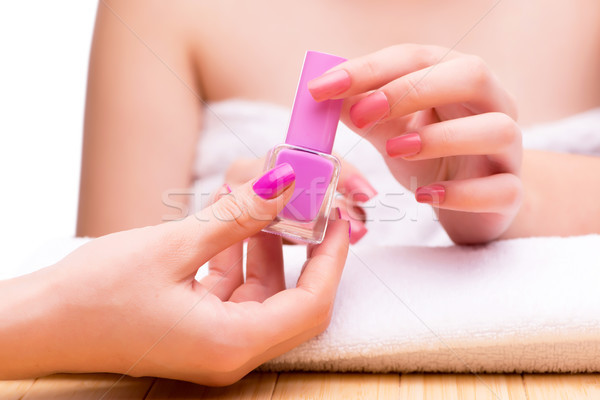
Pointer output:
330, 84
404, 145
372, 108
227, 187
432, 194
356, 228
357, 232
275, 181
359, 189
339, 213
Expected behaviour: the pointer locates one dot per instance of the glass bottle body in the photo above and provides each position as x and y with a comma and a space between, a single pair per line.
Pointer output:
305, 216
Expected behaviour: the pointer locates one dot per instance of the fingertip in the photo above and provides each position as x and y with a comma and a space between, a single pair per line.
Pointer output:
338, 213
274, 182
358, 188
338, 231
405, 145
370, 109
356, 234
329, 85
431, 194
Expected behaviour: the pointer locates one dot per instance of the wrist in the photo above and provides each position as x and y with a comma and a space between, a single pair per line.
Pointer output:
29, 317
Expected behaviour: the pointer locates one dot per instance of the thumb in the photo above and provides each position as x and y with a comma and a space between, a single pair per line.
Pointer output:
232, 218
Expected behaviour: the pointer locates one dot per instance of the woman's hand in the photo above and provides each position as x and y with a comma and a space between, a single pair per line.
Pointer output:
353, 189
443, 118
129, 302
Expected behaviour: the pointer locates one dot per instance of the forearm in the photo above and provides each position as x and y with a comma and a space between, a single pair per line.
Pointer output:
48, 326
561, 193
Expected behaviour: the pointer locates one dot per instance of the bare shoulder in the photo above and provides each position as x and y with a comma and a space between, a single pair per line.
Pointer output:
152, 20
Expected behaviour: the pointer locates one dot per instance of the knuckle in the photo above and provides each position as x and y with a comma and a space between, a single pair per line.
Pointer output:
398, 50
421, 55
371, 69
447, 135
320, 307
477, 70
513, 192
323, 311
510, 133
424, 55
229, 208
234, 210
412, 88
513, 110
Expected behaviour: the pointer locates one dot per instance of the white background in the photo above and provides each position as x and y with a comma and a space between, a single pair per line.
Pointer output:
44, 50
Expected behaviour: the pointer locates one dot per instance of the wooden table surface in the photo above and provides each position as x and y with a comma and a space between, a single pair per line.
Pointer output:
311, 386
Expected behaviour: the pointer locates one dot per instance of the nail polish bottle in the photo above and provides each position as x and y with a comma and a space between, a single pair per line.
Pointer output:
307, 149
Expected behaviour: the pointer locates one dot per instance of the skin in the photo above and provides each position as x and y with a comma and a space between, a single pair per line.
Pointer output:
152, 68
479, 173
146, 90
129, 303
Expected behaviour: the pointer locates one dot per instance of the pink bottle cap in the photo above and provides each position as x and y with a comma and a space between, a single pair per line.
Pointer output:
313, 124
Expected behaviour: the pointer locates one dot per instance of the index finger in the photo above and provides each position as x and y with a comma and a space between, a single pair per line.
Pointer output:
374, 70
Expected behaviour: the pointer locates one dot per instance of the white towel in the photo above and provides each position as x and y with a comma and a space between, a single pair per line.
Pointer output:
523, 305
409, 300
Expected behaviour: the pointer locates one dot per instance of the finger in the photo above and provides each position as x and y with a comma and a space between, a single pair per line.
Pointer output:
234, 217
356, 217
336, 214
353, 185
374, 70
465, 80
225, 270
300, 313
310, 303
500, 193
264, 269
493, 134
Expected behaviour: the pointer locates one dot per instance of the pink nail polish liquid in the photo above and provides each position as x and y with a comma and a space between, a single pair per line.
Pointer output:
307, 149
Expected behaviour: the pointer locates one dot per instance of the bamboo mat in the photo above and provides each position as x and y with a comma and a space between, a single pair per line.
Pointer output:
310, 386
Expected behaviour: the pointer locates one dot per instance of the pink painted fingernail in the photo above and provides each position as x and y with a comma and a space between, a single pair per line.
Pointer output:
339, 213
357, 188
227, 187
404, 145
275, 181
372, 108
357, 232
356, 228
431, 194
330, 84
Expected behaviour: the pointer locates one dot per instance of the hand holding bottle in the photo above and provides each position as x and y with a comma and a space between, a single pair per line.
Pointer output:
353, 188
444, 118
129, 302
